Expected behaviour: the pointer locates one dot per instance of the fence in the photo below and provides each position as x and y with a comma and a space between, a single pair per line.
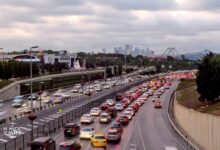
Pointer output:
52, 123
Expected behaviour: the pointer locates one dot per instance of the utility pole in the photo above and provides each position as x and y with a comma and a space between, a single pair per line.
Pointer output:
32, 116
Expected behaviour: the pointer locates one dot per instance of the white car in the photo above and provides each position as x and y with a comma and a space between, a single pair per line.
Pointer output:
95, 111
119, 107
128, 114
75, 90
65, 95
106, 87
86, 133
87, 118
98, 89
131, 110
58, 93
111, 102
18, 101
105, 118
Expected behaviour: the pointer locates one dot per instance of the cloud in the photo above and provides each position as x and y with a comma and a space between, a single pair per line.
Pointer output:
92, 25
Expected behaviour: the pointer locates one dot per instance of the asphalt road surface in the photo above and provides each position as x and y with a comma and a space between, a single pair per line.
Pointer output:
148, 130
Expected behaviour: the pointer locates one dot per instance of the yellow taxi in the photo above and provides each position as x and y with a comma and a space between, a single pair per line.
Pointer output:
98, 140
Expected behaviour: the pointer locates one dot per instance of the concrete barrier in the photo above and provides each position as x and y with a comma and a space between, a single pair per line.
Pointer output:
202, 129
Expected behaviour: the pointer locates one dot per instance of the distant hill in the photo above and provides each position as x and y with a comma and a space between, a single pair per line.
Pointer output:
197, 55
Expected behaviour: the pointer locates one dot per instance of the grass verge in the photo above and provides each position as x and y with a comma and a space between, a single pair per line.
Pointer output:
188, 96
4, 83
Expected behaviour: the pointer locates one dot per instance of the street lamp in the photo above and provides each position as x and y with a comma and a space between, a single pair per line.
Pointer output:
32, 116
82, 82
40, 92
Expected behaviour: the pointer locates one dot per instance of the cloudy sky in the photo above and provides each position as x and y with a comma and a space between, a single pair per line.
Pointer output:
83, 25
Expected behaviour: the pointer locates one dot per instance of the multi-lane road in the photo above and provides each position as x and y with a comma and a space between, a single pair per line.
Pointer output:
149, 130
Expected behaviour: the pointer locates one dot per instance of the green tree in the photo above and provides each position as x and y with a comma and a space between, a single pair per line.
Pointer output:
208, 79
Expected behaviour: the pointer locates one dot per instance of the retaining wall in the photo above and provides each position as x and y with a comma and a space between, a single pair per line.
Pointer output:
203, 129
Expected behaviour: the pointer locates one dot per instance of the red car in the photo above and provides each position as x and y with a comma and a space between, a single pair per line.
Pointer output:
135, 107
104, 106
125, 104
123, 120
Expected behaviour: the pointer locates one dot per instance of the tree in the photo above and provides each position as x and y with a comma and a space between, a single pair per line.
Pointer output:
208, 79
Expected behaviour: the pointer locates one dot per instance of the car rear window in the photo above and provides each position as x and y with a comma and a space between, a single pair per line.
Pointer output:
99, 137
87, 129
66, 147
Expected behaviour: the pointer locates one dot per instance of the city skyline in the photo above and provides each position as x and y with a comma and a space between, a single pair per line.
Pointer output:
91, 26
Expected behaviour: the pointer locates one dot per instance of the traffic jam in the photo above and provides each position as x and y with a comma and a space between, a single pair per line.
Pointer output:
115, 113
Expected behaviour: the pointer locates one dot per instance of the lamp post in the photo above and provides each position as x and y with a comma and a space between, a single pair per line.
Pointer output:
82, 82
40, 92
32, 116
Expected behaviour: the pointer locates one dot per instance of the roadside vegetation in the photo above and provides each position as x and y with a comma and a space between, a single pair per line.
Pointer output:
4, 83
203, 93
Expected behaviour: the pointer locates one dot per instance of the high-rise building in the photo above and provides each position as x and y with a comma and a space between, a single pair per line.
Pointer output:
104, 51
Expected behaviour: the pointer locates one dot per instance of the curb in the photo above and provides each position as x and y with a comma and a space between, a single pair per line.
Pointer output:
172, 122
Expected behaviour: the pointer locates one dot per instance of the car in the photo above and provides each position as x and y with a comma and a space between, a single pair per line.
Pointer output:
123, 119
75, 90
71, 129
117, 126
131, 110
87, 118
111, 111
98, 89
154, 99
119, 96
95, 111
113, 135
119, 107
44, 95
18, 101
86, 133
65, 95
43, 143
105, 118
104, 106
98, 140
111, 102
58, 93
140, 101
135, 107
34, 97
157, 104
89, 92
70, 145
58, 100
106, 87
128, 114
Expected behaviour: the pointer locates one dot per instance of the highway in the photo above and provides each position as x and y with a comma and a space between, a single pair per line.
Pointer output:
149, 130
48, 115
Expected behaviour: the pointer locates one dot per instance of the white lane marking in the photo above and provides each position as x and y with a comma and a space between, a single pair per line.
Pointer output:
10, 136
3, 140
170, 148
29, 125
25, 128
126, 143
142, 140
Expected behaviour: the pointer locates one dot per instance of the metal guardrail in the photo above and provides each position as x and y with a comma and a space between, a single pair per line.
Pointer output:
174, 124
51, 124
